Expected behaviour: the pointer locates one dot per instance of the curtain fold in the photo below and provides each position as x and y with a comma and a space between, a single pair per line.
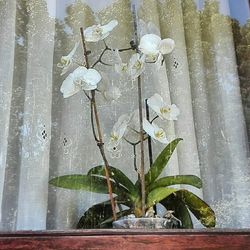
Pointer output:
36, 120
7, 50
227, 121
44, 135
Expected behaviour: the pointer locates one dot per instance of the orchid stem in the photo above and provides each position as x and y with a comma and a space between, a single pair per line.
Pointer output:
99, 60
142, 170
92, 121
153, 118
150, 155
134, 151
86, 94
99, 140
135, 143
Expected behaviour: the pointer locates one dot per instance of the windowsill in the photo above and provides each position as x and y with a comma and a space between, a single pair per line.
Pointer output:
127, 239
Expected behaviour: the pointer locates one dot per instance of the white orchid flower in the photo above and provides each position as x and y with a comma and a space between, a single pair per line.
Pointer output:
68, 87
136, 65
164, 111
97, 32
155, 132
67, 61
90, 80
154, 47
80, 78
120, 67
118, 131
119, 128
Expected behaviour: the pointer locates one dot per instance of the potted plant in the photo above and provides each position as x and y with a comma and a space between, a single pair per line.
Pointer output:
129, 200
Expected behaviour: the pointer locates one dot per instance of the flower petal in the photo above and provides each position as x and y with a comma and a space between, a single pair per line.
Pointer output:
166, 46
149, 129
79, 72
109, 26
121, 125
155, 102
73, 51
96, 33
92, 77
93, 33
66, 61
149, 44
68, 87
155, 132
136, 65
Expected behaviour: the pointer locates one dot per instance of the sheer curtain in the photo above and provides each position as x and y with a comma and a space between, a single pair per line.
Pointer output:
44, 135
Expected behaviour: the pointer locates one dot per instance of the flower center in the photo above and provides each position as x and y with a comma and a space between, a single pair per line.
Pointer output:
65, 61
97, 31
165, 110
124, 67
160, 134
114, 137
151, 58
137, 65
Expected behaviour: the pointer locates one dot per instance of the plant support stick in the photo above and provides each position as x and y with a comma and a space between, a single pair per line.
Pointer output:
99, 142
142, 179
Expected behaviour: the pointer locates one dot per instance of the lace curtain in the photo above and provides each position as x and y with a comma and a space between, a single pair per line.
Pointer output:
44, 135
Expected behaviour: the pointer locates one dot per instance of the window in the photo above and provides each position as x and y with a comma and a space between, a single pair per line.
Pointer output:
44, 135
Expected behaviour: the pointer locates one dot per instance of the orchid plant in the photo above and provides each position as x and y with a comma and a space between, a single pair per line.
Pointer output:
128, 198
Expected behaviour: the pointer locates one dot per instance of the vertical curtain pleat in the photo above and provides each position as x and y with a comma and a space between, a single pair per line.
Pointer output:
229, 159
25, 181
149, 21
9, 153
36, 120
191, 19
171, 17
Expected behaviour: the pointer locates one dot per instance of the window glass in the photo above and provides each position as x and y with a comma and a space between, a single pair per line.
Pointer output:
65, 110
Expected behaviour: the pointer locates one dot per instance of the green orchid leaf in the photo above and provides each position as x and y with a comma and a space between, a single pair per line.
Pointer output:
77, 182
99, 216
88, 183
158, 194
95, 215
116, 175
178, 179
160, 162
198, 207
181, 212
